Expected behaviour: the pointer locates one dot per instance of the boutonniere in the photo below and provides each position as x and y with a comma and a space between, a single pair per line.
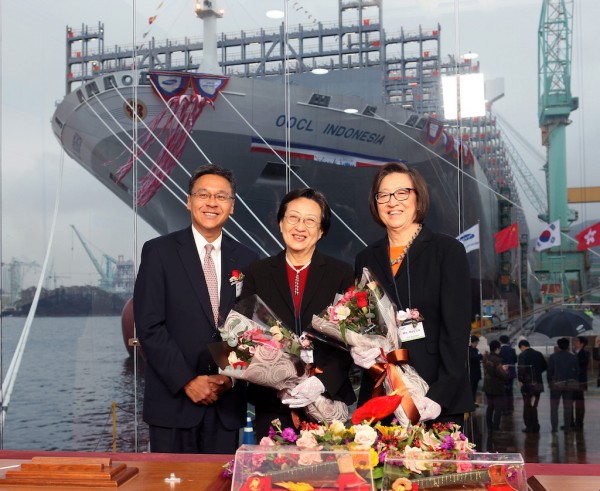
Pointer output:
408, 316
236, 277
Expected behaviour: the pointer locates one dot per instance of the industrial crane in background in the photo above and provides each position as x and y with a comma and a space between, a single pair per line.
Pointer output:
561, 269
116, 275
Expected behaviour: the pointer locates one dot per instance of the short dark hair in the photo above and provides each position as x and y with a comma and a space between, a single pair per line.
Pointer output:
213, 169
494, 345
418, 182
504, 339
583, 340
563, 344
474, 339
308, 193
525, 343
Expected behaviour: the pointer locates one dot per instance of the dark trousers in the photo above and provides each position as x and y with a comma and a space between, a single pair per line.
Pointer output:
509, 398
567, 397
209, 437
530, 412
493, 413
579, 407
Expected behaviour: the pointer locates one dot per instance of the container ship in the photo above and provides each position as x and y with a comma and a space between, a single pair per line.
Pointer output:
140, 121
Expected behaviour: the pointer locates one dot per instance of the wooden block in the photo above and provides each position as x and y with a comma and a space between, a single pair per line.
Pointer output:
65, 471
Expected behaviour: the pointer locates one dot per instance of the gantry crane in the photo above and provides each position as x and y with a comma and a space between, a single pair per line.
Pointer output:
555, 104
107, 272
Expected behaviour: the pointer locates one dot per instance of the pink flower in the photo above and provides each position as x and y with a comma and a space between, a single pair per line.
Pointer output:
266, 441
309, 458
258, 459
307, 440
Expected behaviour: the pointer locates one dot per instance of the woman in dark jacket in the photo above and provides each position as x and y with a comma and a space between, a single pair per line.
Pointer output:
423, 270
296, 284
494, 381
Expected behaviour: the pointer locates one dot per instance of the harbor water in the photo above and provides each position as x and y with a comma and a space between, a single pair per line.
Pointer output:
72, 370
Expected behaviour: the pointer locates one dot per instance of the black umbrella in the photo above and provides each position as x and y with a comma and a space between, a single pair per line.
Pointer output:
563, 322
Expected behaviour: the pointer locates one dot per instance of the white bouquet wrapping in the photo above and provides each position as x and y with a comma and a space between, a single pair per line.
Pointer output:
365, 317
260, 350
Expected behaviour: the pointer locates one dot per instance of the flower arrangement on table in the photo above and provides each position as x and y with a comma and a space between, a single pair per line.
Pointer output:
369, 446
364, 317
257, 348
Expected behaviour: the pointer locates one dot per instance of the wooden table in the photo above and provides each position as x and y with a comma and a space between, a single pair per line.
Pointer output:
564, 483
195, 475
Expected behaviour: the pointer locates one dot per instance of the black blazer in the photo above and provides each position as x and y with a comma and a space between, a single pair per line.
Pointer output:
327, 276
531, 366
433, 278
175, 324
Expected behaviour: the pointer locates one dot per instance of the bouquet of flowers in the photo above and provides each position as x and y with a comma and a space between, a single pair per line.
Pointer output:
257, 348
364, 317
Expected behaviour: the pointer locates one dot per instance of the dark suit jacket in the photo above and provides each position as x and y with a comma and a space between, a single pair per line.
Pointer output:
175, 324
583, 360
433, 278
562, 366
531, 366
327, 276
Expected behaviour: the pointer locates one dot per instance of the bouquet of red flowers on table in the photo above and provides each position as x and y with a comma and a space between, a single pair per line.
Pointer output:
364, 317
257, 348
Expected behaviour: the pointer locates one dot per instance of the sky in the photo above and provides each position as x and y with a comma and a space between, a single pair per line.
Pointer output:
502, 32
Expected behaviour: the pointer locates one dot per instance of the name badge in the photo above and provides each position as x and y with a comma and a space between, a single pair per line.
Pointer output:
410, 331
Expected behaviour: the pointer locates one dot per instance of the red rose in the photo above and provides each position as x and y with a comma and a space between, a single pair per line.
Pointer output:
361, 299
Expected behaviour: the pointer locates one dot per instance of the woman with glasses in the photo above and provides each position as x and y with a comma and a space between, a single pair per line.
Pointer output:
423, 270
296, 284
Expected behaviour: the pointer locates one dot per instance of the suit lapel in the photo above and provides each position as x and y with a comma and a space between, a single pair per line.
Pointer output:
313, 281
193, 268
383, 273
279, 275
228, 263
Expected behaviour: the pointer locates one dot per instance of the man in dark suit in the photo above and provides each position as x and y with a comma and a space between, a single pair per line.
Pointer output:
583, 360
509, 358
182, 290
531, 366
475, 359
563, 370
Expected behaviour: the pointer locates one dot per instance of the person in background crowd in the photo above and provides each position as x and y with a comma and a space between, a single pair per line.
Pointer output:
181, 291
583, 360
427, 271
563, 371
509, 358
531, 365
296, 284
495, 376
475, 359
596, 356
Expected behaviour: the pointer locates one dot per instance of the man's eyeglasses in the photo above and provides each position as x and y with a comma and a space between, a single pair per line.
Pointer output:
401, 194
309, 222
204, 196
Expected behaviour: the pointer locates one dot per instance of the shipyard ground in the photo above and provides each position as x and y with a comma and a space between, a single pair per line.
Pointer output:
571, 447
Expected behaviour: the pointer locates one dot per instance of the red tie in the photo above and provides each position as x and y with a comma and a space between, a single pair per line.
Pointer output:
210, 274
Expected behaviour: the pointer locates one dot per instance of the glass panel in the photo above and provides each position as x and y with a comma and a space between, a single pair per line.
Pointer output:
277, 130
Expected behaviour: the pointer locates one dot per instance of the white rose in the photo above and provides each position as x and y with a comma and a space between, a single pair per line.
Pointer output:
364, 435
337, 427
413, 459
342, 312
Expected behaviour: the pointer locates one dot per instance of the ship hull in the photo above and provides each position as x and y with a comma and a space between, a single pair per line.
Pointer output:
332, 151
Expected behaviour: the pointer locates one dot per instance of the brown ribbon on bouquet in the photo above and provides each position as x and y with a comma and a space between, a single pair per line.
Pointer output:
311, 369
380, 371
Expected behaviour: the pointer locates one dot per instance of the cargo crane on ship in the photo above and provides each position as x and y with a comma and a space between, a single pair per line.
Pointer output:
562, 269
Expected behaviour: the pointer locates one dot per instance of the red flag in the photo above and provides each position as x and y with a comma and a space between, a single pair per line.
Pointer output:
590, 237
507, 238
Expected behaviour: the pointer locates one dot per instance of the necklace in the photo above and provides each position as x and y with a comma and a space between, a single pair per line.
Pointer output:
297, 271
403, 255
